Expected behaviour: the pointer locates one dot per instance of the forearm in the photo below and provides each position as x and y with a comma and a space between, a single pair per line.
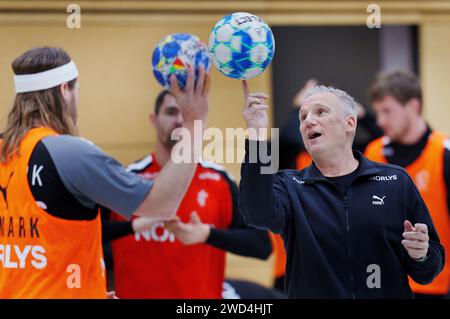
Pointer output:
257, 202
172, 182
112, 229
247, 241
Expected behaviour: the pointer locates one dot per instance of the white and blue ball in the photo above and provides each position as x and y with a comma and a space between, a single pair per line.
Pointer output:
174, 54
241, 45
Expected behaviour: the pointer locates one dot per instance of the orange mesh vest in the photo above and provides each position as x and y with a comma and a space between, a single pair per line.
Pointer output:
42, 256
427, 173
303, 160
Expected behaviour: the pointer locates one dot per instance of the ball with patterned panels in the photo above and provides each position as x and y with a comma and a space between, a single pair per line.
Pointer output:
241, 45
173, 55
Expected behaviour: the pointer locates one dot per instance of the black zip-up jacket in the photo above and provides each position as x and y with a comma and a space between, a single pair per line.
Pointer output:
336, 243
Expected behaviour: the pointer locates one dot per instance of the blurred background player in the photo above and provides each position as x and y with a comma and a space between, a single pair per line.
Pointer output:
183, 257
409, 142
52, 183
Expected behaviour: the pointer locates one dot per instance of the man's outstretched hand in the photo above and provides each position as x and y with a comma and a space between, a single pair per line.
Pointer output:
415, 240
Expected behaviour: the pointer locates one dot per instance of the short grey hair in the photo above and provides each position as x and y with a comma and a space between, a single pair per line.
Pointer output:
347, 102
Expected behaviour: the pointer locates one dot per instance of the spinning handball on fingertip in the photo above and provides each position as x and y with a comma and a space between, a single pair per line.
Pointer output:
241, 45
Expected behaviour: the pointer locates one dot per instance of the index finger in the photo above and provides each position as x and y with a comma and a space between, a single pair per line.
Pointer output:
245, 88
416, 235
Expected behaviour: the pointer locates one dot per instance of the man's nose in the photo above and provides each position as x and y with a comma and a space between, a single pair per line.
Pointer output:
309, 120
180, 119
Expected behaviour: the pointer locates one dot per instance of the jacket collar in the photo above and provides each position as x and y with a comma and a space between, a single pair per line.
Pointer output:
366, 168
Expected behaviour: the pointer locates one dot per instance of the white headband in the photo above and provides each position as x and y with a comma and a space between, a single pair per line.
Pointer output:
45, 80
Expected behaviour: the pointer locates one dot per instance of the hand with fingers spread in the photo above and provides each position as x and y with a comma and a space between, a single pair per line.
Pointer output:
416, 240
193, 100
255, 106
194, 232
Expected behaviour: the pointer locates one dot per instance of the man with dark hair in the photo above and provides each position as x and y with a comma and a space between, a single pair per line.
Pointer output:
160, 100
399, 84
53, 183
409, 142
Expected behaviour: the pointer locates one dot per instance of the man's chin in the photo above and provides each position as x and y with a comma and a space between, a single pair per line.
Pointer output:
393, 137
315, 149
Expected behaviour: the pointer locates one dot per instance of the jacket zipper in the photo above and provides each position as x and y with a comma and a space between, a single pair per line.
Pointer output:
347, 221
346, 205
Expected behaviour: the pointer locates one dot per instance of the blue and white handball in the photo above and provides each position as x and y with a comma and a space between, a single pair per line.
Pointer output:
241, 45
174, 54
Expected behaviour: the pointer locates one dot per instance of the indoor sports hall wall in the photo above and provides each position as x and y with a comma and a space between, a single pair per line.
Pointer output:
113, 48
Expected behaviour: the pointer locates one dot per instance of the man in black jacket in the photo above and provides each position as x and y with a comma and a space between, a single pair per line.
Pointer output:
352, 228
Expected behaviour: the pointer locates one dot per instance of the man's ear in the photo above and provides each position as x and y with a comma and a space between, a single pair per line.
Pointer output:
152, 118
351, 123
414, 105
